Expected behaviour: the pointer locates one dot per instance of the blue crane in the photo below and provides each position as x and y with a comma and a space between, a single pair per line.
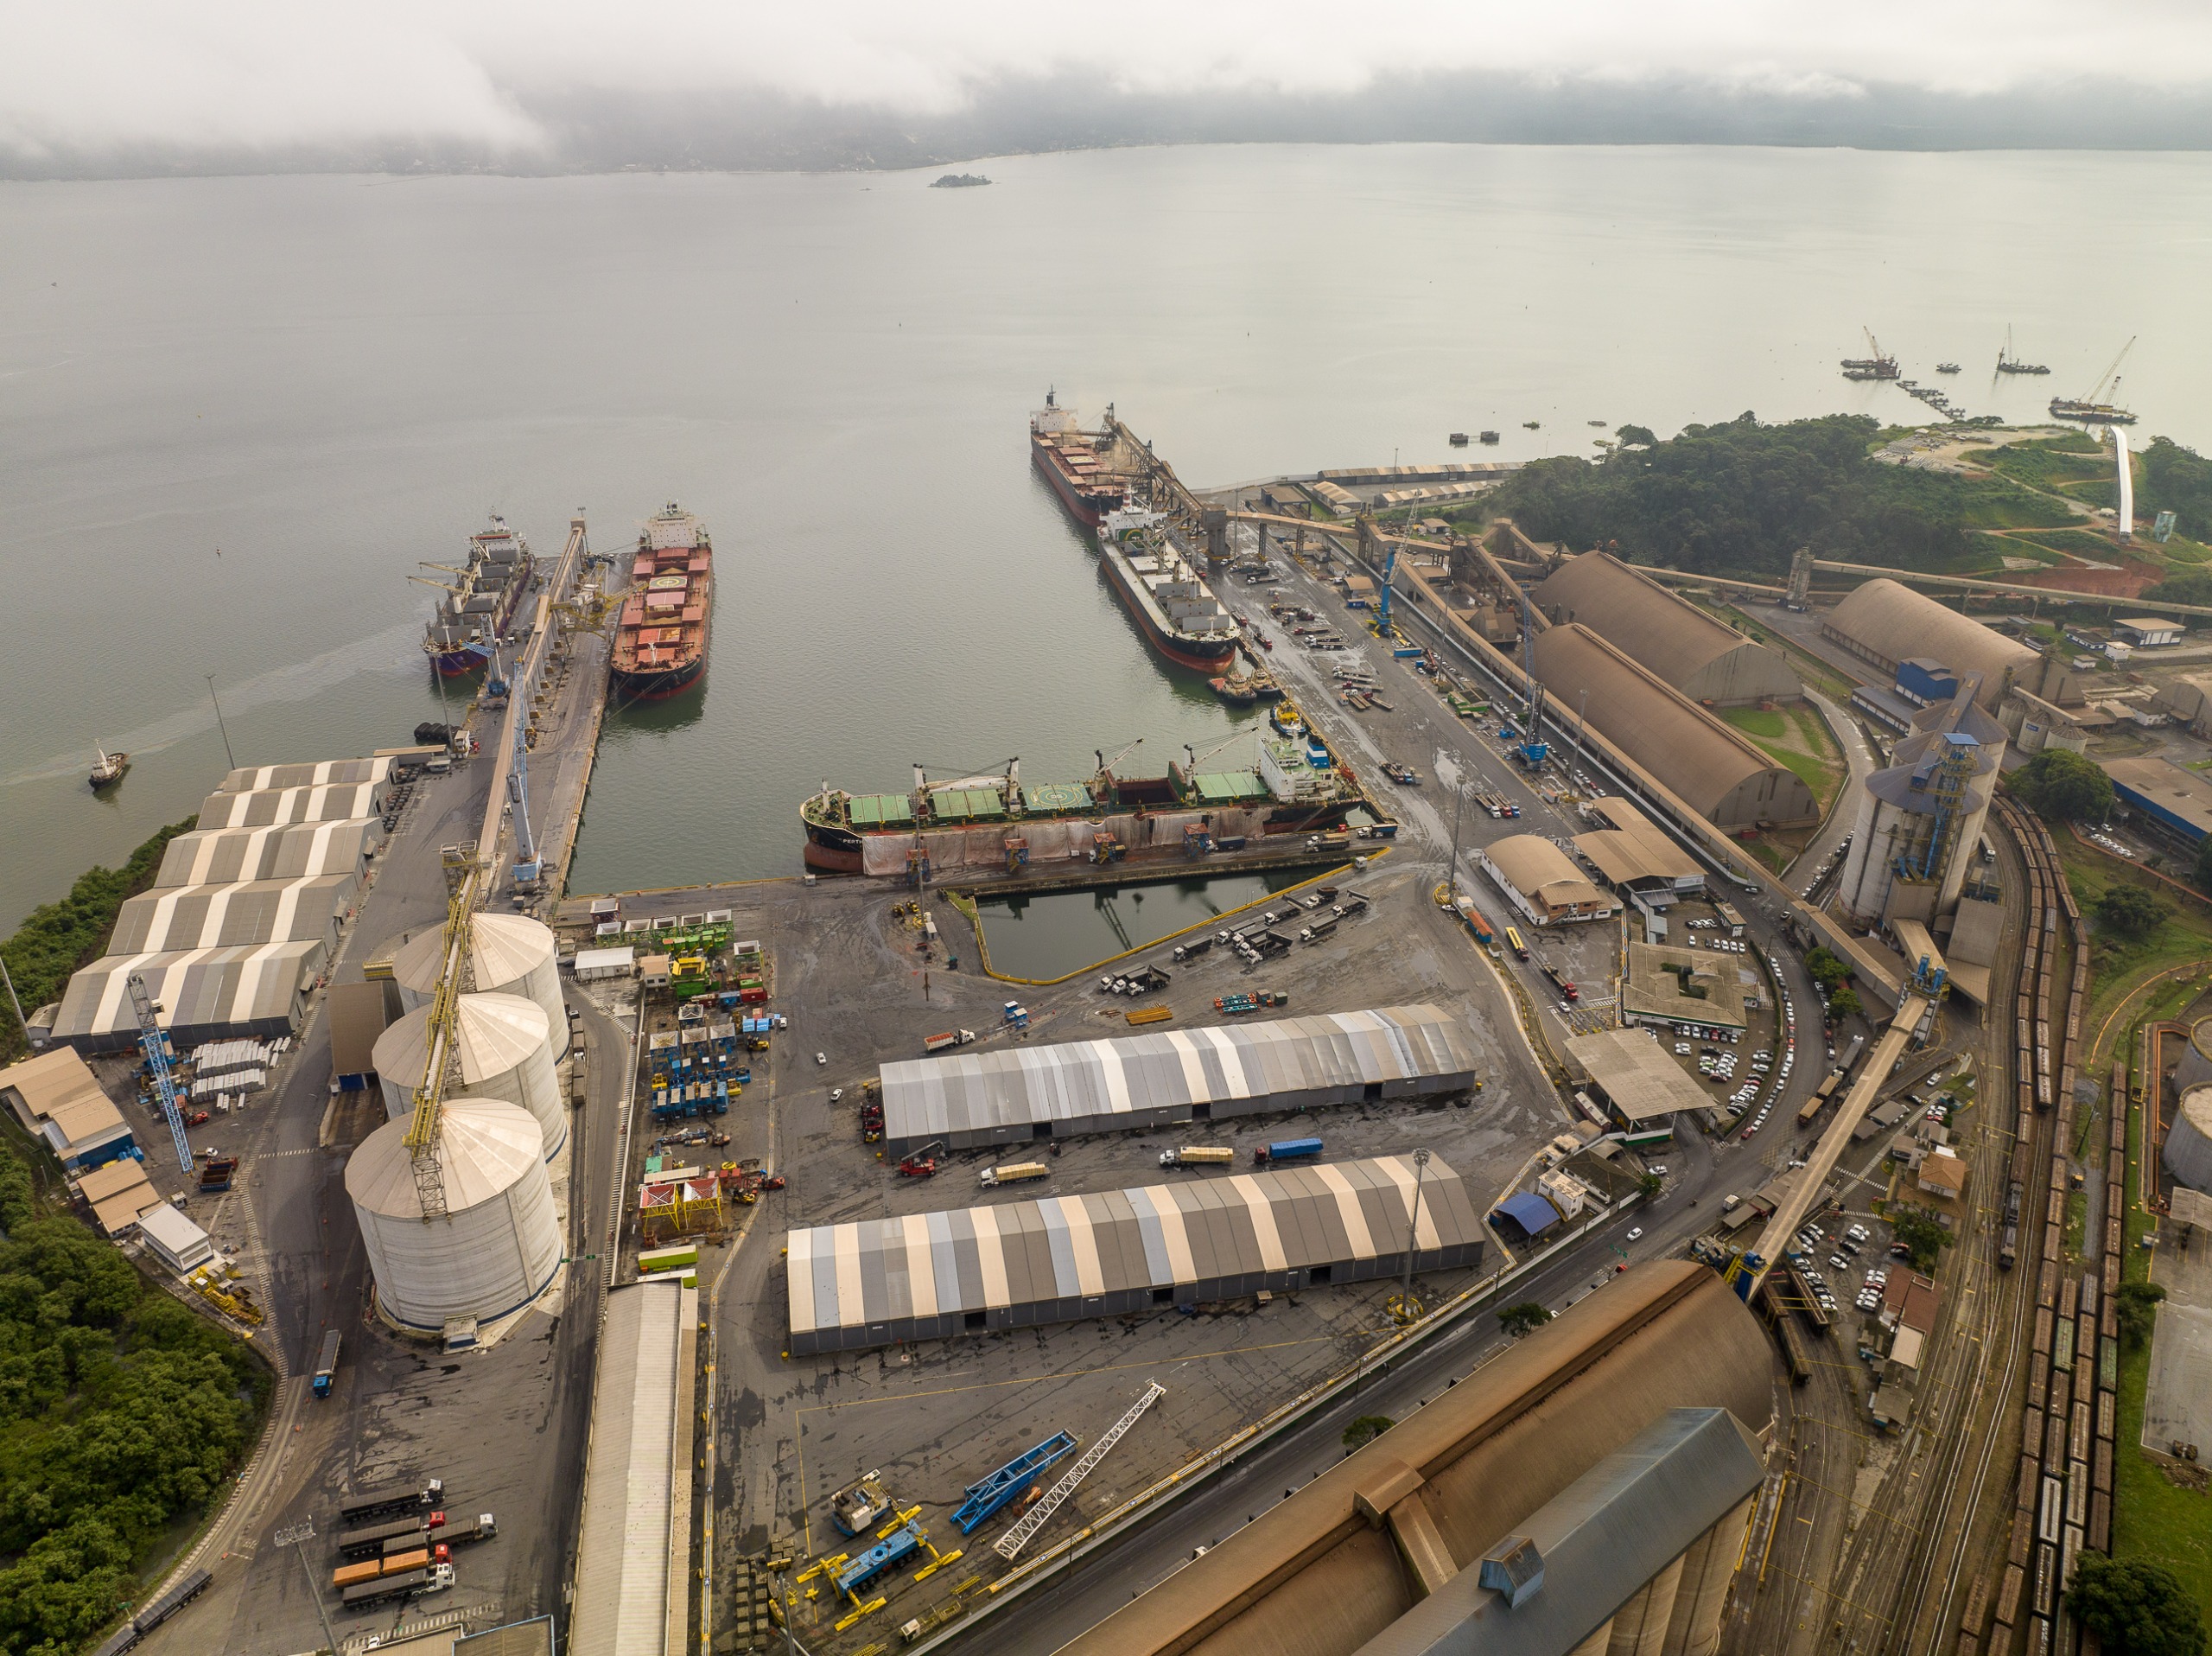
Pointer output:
1383, 613
1533, 750
154, 1041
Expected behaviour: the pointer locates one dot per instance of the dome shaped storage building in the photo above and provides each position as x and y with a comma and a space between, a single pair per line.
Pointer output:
498, 1246
510, 954
1884, 622
504, 1055
2187, 1154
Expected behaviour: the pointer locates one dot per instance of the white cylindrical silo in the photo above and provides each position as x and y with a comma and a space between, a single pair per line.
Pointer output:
2187, 1154
497, 1246
509, 954
501, 1044
2195, 1067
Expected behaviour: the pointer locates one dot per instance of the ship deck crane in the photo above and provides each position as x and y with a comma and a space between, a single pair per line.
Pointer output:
154, 1041
1193, 757
1106, 765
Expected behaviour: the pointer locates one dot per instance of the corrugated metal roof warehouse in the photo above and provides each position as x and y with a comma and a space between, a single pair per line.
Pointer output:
1154, 1080
930, 1276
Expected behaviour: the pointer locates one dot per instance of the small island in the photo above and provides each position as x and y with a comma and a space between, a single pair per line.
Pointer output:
960, 181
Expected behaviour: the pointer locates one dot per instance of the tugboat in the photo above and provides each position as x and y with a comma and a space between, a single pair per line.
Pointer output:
109, 769
2007, 363
1947, 368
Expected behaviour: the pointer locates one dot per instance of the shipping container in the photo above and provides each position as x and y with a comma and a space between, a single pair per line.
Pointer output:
391, 1502
1286, 1149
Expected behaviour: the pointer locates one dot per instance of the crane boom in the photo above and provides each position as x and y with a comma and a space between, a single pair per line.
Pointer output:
464, 880
2098, 390
154, 1041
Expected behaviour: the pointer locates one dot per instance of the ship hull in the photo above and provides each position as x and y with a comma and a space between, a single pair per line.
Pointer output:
452, 664
832, 850
1088, 511
955, 852
1183, 652
649, 684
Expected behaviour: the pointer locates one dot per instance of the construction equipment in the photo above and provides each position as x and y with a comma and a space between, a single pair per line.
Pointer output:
1036, 1517
920, 1163
1532, 750
154, 1041
232, 1299
992, 1492
1382, 608
464, 872
855, 1508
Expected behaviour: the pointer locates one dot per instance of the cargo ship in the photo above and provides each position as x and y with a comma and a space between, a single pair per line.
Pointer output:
480, 601
2069, 408
660, 643
999, 823
1160, 586
1078, 464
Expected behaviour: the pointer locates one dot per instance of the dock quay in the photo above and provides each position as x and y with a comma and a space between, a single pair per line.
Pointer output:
393, 1413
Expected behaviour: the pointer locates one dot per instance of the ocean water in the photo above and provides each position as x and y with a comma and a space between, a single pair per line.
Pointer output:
238, 413
1046, 936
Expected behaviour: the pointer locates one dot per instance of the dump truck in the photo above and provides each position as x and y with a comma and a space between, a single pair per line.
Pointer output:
1198, 1155
368, 1595
391, 1502
949, 1039
1286, 1149
1013, 1173
325, 1367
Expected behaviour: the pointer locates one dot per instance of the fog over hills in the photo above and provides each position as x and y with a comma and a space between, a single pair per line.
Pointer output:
94, 88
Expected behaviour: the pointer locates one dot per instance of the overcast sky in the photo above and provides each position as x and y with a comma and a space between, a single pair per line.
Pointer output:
92, 86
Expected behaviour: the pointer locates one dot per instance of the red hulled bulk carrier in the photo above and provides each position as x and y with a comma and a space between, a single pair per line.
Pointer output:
660, 644
1078, 464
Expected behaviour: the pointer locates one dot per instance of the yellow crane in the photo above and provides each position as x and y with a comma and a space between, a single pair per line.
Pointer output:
464, 871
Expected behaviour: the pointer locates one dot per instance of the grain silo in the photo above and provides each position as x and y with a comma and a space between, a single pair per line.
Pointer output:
2187, 1154
2195, 1067
500, 1041
509, 954
497, 1246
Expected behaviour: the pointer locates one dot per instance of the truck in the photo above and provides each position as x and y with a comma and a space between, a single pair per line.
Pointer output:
1196, 946
392, 1502
325, 1367
1558, 979
1013, 1173
1319, 929
374, 1540
368, 1595
1198, 1155
482, 1527
417, 1556
948, 1039
1286, 1149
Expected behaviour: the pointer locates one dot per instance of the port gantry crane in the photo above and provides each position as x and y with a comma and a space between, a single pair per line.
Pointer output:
1533, 750
154, 1041
464, 870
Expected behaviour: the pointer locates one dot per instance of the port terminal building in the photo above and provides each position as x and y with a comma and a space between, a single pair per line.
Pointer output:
1704, 659
968, 1098
57, 1099
1540, 881
1635, 856
1634, 1078
1058, 1259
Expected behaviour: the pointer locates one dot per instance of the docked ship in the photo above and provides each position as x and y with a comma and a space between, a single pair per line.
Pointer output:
999, 823
1078, 464
1160, 585
2069, 408
660, 642
2007, 363
480, 600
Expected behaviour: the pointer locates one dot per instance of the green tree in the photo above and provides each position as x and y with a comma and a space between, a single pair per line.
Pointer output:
1365, 1430
1650, 1184
2135, 1308
2178, 481
2062, 787
2190, 587
1922, 1232
1827, 968
2129, 911
1523, 1319
2202, 873
1845, 1002
2135, 1608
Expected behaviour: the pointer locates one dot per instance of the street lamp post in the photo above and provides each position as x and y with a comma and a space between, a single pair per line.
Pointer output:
1413, 1231
220, 725
297, 1536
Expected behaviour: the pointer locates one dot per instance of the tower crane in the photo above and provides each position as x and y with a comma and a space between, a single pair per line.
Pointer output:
154, 1041
1382, 611
2098, 390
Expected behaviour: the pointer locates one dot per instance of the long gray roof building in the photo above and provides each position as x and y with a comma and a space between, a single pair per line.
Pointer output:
1154, 1080
219, 916
930, 1276
280, 851
327, 802
203, 993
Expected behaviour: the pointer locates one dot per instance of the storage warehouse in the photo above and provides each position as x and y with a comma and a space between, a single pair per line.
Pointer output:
58, 1098
2178, 801
214, 857
930, 1276
221, 916
254, 779
1154, 1080
1887, 624
334, 802
1637, 1078
1704, 762
1631, 854
1704, 659
205, 994
1538, 880
1667, 987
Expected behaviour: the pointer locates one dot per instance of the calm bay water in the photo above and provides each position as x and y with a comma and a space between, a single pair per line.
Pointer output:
236, 414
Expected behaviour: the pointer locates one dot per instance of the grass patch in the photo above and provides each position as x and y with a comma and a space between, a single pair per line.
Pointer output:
2080, 541
1754, 721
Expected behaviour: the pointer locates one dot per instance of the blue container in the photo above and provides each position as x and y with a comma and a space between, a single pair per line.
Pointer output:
1288, 1150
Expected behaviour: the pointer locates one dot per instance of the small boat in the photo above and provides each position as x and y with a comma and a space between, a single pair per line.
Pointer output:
109, 771
1597, 422
1459, 439
1487, 437
1237, 692
1947, 368
1532, 425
